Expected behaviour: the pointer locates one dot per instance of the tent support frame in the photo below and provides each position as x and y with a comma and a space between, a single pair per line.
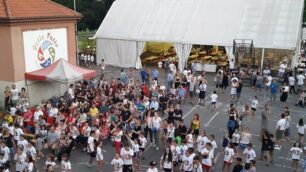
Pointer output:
262, 60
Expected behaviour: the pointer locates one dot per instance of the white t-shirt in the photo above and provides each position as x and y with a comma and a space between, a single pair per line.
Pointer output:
127, 156
32, 151
65, 165
171, 67
245, 138
91, 144
152, 170
53, 112
250, 155
20, 161
175, 150
15, 94
300, 79
269, 80
201, 140
24, 144
266, 72
17, 133
6, 152
285, 88
214, 98
143, 142
37, 114
296, 152
282, 68
203, 87
236, 138
281, 124
135, 147
30, 166
301, 129
160, 64
156, 122
99, 155
166, 164
208, 160
228, 154
213, 144
71, 92
254, 103
117, 164
118, 136
170, 132
187, 163
291, 80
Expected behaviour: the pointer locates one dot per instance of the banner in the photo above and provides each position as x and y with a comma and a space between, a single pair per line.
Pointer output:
44, 47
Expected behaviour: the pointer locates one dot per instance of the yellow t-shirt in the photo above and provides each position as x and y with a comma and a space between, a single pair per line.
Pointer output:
9, 119
195, 124
94, 112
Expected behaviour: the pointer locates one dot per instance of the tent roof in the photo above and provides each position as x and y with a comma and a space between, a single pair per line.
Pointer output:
61, 71
269, 23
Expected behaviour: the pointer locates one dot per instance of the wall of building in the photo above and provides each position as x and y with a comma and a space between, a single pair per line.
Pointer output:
12, 64
6, 60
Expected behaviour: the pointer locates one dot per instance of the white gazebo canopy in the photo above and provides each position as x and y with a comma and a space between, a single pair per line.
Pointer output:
130, 23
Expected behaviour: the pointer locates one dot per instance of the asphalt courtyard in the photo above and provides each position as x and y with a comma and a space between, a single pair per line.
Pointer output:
214, 122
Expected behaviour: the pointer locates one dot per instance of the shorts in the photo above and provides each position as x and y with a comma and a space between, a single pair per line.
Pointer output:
136, 155
167, 170
300, 134
196, 132
287, 132
213, 103
127, 168
279, 134
92, 154
253, 109
191, 93
227, 163
206, 167
142, 149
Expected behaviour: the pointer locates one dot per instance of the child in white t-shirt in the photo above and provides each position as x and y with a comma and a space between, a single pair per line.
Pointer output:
214, 98
117, 163
65, 164
99, 156
296, 151
228, 157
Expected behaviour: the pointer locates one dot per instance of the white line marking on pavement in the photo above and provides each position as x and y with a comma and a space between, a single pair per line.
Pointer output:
189, 112
212, 118
196, 106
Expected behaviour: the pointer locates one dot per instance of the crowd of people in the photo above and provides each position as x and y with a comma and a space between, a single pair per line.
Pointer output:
140, 114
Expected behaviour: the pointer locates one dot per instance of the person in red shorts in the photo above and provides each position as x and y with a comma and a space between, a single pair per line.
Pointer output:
207, 157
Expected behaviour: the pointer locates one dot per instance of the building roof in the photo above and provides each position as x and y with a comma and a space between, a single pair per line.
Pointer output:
26, 10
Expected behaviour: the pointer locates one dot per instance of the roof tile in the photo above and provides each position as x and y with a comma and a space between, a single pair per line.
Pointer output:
21, 9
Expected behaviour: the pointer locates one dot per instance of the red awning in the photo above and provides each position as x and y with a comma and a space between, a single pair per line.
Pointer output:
61, 71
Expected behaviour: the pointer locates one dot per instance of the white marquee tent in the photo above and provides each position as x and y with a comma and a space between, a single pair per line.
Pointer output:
131, 23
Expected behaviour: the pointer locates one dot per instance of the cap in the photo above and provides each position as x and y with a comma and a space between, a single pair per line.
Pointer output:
152, 163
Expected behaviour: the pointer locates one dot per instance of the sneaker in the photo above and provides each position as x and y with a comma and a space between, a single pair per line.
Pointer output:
156, 148
88, 164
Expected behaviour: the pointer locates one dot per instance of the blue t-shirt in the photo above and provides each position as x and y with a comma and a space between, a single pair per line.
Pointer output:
274, 88
181, 92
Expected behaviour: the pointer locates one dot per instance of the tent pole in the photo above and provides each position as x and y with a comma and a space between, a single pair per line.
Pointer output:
262, 59
26, 83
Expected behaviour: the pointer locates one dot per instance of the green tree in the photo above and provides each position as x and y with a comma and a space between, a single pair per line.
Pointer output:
93, 11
